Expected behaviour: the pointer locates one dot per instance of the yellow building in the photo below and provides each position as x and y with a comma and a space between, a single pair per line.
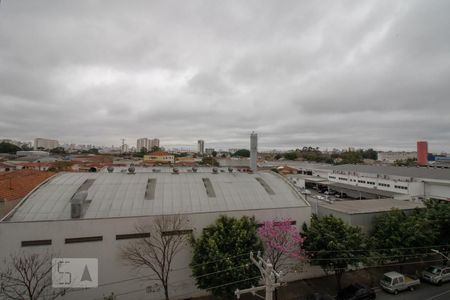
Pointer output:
159, 157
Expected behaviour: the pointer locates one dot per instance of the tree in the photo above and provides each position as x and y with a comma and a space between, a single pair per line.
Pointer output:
155, 148
209, 161
143, 150
351, 157
58, 150
8, 148
242, 153
281, 241
223, 251
214, 153
334, 245
370, 154
291, 156
438, 216
26, 276
165, 238
25, 147
397, 237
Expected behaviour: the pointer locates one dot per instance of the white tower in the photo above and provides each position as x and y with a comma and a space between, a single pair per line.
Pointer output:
253, 151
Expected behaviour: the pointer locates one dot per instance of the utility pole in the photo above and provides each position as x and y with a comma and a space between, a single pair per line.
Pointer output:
268, 274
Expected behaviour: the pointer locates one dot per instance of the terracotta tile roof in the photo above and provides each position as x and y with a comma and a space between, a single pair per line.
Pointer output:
17, 184
159, 153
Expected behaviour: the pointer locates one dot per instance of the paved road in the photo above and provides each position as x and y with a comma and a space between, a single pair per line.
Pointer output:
424, 292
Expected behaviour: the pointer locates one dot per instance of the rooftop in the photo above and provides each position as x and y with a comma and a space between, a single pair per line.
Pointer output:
415, 172
119, 194
17, 184
370, 206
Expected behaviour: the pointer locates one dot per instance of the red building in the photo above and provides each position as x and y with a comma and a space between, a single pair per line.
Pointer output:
422, 153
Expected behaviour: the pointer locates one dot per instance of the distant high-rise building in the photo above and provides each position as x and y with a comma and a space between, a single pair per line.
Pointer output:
147, 144
154, 143
201, 147
253, 151
45, 144
422, 153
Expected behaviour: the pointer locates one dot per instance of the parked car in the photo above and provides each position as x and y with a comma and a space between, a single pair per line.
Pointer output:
356, 291
436, 274
394, 282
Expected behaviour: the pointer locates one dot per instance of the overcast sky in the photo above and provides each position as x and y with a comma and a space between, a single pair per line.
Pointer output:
323, 73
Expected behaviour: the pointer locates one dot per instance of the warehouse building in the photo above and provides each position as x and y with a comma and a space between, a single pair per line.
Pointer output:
362, 213
116, 201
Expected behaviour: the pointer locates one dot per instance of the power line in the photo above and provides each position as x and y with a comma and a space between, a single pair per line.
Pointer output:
308, 259
182, 295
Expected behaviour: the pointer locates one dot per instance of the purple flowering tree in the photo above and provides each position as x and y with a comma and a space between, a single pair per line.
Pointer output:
282, 243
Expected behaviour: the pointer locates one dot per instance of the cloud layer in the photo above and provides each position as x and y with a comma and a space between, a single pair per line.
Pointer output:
325, 73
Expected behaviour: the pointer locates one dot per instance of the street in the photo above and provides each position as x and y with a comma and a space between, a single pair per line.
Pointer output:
424, 292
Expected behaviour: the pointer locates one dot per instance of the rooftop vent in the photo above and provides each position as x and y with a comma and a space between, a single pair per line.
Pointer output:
265, 186
150, 189
209, 188
110, 169
175, 171
79, 202
194, 169
215, 170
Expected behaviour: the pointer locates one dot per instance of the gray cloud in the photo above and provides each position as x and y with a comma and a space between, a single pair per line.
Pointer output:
328, 73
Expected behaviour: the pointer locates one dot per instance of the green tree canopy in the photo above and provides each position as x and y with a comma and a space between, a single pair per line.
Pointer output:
370, 154
351, 157
209, 161
242, 153
398, 237
223, 249
334, 245
8, 148
291, 156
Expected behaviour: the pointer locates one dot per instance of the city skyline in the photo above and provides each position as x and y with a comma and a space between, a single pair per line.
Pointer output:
359, 74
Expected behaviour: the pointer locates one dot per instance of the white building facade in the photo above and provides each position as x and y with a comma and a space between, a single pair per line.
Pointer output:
146, 143
45, 144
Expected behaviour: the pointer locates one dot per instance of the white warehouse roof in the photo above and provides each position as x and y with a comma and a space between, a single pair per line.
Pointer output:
142, 194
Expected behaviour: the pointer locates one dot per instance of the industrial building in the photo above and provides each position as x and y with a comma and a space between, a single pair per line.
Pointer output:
362, 213
116, 201
377, 181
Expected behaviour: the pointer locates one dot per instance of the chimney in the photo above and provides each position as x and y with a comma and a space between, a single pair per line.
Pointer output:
253, 151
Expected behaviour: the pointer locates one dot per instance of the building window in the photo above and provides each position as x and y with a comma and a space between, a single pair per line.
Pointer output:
176, 232
129, 236
401, 187
277, 223
36, 243
84, 239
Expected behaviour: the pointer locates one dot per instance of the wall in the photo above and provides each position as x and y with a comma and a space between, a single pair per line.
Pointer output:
437, 189
111, 268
